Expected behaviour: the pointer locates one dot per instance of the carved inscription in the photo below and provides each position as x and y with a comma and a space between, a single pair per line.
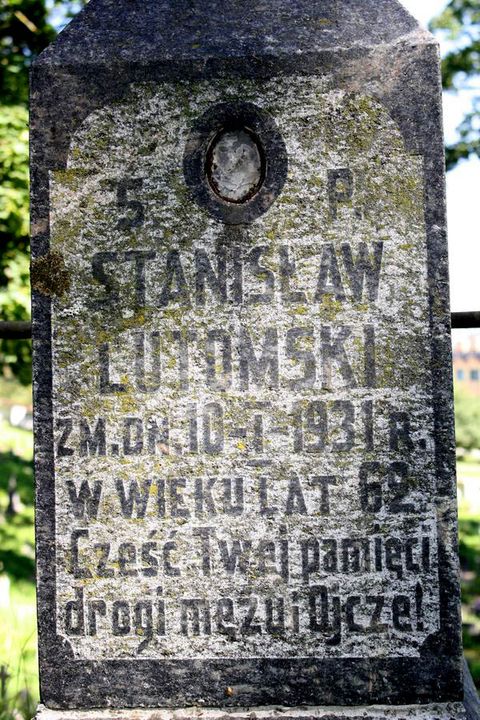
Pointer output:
243, 415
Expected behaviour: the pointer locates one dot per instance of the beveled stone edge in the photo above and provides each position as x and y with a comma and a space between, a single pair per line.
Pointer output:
435, 711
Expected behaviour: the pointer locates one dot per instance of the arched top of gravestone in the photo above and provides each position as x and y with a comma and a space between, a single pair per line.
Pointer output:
108, 32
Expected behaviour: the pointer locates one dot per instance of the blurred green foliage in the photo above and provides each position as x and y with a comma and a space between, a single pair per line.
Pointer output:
467, 420
24, 31
19, 691
18, 652
459, 24
16, 488
469, 542
16, 527
14, 245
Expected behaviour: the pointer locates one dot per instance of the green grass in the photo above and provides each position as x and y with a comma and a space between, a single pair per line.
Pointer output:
18, 632
469, 542
18, 652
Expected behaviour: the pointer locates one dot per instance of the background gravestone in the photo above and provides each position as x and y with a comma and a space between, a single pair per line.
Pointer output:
244, 443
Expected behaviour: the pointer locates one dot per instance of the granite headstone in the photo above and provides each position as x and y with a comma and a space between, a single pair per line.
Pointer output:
243, 405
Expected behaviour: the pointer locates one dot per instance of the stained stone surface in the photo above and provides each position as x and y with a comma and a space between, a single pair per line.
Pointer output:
254, 430
244, 443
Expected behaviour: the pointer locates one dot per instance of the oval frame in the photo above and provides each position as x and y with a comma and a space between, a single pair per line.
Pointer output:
217, 119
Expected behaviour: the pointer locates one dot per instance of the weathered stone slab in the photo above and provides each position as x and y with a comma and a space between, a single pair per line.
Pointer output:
244, 445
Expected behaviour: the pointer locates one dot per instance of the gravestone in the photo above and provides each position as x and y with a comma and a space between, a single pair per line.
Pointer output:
243, 404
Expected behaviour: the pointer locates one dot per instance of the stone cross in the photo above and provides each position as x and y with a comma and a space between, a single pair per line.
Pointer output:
243, 404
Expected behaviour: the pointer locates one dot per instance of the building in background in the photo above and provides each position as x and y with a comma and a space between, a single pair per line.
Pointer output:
466, 364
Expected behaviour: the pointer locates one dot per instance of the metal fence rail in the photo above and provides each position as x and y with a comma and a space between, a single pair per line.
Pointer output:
15, 330
465, 320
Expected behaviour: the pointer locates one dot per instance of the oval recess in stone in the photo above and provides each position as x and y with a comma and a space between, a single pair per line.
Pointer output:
235, 165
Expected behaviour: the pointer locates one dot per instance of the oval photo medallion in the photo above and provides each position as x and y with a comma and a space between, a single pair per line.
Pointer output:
235, 162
